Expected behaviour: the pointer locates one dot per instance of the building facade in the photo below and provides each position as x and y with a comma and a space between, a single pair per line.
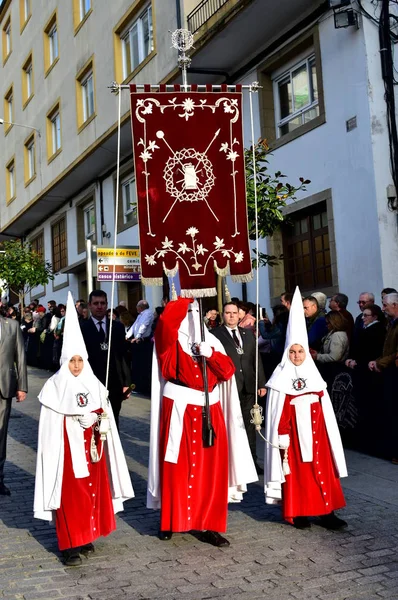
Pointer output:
322, 110
321, 107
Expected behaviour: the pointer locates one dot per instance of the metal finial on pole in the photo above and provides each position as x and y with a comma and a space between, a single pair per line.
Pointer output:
182, 40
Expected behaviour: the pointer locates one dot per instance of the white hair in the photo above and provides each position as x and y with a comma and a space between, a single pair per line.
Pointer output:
369, 294
321, 299
391, 298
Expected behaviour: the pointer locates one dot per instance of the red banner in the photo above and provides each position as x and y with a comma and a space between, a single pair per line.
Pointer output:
190, 178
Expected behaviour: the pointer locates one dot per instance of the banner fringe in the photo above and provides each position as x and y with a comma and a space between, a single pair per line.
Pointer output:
152, 280
201, 293
222, 271
246, 278
170, 272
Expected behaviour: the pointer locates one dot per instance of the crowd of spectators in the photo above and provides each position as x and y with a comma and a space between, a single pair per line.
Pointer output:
357, 357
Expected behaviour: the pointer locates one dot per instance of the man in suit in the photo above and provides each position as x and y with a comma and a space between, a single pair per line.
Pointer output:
95, 332
240, 345
13, 382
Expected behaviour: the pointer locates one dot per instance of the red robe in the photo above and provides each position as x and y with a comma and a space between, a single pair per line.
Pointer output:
312, 488
194, 491
86, 510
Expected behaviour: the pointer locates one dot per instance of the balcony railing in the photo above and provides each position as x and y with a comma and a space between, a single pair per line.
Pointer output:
202, 13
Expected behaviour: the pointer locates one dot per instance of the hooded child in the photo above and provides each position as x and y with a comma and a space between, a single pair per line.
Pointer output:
82, 477
191, 483
300, 418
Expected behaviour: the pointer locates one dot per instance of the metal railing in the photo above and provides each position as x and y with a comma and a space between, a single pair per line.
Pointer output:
202, 13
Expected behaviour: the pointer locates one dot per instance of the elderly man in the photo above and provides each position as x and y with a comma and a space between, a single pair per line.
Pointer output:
315, 321
141, 350
390, 349
366, 298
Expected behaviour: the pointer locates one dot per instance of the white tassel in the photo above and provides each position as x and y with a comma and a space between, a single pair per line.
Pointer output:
173, 291
257, 416
286, 468
227, 294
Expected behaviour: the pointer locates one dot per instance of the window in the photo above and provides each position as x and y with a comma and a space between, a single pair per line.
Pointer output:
85, 94
134, 40
307, 249
81, 10
129, 202
8, 109
85, 6
27, 81
89, 221
297, 96
24, 12
10, 181
59, 247
137, 42
85, 223
7, 46
291, 98
50, 43
37, 245
29, 159
54, 132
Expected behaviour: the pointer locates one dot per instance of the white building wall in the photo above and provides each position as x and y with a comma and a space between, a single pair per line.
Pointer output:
353, 164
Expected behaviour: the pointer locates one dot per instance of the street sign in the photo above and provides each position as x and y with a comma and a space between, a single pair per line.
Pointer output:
124, 265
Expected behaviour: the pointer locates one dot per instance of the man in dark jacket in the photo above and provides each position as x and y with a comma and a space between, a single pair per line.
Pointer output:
315, 321
240, 345
96, 337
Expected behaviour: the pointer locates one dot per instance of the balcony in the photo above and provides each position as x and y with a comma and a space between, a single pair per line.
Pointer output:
231, 35
203, 13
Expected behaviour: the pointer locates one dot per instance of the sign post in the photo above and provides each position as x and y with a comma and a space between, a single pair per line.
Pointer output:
122, 264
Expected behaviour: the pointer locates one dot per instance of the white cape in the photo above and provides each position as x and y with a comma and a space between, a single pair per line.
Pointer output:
241, 469
273, 471
50, 457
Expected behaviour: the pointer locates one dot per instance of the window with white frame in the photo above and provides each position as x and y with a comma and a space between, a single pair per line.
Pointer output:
7, 32
129, 201
85, 6
87, 85
56, 131
137, 41
89, 220
9, 113
31, 158
53, 43
10, 181
26, 10
296, 96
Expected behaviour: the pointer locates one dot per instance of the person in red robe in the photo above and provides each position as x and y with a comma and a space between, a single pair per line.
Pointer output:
192, 485
301, 422
78, 439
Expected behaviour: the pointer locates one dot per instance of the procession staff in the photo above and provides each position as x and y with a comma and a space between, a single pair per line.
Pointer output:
300, 417
190, 482
82, 478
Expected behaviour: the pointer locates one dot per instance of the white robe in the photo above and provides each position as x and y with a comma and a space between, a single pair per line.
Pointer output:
50, 457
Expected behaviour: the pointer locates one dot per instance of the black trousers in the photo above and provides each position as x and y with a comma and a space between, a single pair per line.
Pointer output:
5, 410
246, 404
115, 400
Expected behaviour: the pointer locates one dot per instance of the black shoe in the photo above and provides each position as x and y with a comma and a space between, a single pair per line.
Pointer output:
260, 470
301, 523
87, 549
4, 491
332, 522
214, 538
71, 557
165, 535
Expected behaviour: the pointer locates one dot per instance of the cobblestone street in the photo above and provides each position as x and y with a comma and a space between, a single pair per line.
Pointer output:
267, 557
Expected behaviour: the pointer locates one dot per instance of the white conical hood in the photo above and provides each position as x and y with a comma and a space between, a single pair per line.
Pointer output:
64, 392
73, 342
287, 377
